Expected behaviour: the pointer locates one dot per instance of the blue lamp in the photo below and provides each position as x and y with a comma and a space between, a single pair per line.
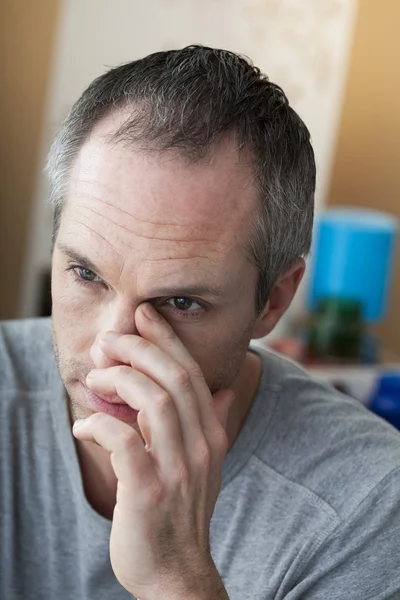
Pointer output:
352, 257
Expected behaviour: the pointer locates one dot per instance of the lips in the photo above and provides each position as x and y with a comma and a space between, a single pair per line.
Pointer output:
110, 399
111, 405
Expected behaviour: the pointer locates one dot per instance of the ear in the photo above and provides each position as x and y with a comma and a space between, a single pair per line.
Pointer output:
279, 300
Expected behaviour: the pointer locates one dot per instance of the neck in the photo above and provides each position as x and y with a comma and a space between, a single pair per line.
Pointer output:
99, 481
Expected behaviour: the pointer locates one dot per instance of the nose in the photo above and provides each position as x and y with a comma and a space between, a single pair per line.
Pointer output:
120, 317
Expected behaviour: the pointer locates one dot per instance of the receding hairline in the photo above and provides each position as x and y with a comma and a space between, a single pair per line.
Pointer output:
111, 128
106, 130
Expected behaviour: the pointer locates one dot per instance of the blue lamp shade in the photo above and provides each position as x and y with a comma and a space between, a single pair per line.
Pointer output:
352, 257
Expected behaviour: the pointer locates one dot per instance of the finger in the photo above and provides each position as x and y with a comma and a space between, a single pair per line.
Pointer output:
196, 410
156, 329
158, 418
161, 360
159, 366
131, 462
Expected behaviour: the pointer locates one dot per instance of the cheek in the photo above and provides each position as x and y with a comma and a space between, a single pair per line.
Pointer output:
218, 348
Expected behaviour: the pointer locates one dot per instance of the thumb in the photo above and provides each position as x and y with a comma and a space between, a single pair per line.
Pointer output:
223, 400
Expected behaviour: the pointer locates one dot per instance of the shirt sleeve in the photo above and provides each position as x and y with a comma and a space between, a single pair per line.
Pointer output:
360, 560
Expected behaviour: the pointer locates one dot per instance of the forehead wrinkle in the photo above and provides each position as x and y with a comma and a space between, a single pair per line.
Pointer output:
173, 276
126, 213
93, 249
141, 234
140, 219
181, 258
100, 236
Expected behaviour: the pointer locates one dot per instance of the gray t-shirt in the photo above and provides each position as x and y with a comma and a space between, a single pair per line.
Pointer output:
309, 506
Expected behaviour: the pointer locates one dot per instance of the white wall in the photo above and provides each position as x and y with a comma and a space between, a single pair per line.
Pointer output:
303, 45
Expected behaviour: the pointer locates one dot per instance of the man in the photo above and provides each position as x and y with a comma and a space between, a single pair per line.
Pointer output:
198, 468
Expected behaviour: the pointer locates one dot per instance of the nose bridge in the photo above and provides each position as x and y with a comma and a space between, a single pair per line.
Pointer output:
119, 316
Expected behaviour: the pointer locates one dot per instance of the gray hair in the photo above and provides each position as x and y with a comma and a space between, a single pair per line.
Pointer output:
187, 100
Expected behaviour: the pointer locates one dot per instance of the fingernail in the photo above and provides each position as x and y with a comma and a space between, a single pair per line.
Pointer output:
109, 336
150, 312
78, 423
95, 373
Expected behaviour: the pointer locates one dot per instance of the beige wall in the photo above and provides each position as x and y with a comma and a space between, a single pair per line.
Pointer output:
366, 170
26, 31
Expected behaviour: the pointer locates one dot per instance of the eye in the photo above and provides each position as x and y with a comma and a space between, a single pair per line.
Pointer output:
184, 304
86, 275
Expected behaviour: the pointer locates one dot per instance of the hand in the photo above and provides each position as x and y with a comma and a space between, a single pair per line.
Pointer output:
168, 484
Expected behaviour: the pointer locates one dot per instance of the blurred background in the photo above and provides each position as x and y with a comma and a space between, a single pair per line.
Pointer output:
337, 60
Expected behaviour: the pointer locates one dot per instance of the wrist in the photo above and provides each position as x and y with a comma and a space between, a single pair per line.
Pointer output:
207, 587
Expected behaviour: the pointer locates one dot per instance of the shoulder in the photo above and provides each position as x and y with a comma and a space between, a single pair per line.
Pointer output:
325, 441
337, 460
26, 354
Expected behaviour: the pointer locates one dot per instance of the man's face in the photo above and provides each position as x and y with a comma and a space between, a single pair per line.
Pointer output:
139, 228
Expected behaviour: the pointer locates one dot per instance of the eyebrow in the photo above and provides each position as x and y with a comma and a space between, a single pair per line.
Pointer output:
190, 290
79, 258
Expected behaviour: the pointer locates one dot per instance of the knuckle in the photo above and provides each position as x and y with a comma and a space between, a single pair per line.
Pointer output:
127, 440
203, 456
142, 344
221, 442
163, 401
181, 378
122, 370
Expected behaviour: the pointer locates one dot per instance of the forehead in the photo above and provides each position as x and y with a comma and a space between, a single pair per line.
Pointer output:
221, 184
158, 206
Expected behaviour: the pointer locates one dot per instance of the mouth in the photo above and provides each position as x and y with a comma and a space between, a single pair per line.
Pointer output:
110, 399
110, 405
